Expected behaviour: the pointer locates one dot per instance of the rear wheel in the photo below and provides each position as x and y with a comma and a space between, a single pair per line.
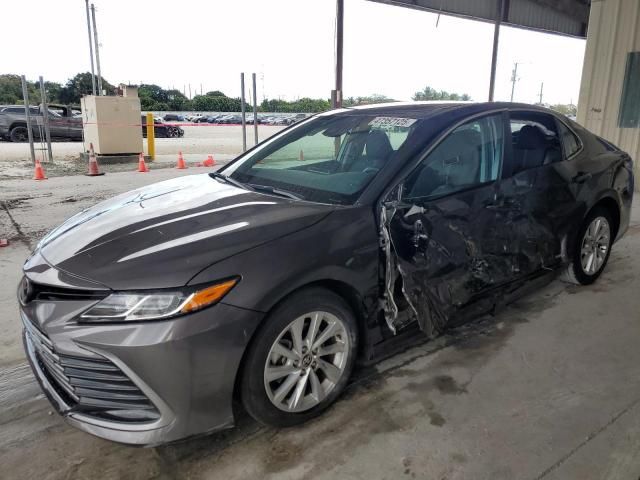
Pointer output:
301, 359
592, 249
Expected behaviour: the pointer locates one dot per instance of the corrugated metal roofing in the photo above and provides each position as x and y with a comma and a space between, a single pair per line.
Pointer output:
564, 17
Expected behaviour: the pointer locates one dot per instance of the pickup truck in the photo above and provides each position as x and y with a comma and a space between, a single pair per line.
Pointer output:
64, 122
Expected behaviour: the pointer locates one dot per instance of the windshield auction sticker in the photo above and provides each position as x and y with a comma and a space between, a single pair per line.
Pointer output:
388, 122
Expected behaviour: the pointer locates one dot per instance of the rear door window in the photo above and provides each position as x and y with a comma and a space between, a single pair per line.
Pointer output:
535, 140
570, 143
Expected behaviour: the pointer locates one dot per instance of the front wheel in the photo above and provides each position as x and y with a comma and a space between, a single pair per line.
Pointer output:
592, 249
301, 359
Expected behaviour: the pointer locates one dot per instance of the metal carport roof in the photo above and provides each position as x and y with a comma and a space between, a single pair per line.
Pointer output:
564, 17
561, 17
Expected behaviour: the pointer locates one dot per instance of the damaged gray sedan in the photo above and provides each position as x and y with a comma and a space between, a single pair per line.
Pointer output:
341, 239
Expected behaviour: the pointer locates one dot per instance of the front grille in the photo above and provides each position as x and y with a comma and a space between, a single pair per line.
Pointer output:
29, 291
94, 387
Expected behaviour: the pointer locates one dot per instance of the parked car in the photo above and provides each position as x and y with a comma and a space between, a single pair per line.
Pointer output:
63, 123
160, 129
173, 117
147, 314
230, 119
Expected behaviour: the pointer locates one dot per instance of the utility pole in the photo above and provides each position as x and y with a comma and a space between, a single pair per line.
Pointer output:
541, 87
337, 93
500, 6
190, 97
27, 114
514, 78
93, 76
95, 41
45, 117
243, 111
255, 109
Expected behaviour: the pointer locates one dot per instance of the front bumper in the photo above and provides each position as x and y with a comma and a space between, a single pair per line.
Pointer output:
182, 371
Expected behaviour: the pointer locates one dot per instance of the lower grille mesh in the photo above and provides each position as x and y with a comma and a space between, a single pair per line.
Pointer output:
91, 386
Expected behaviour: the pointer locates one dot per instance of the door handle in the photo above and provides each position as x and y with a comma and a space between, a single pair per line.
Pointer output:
582, 177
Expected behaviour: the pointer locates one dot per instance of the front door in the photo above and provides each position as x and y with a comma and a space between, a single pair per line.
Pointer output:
446, 241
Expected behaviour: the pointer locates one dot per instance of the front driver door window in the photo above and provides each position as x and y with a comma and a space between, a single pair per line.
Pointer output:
447, 244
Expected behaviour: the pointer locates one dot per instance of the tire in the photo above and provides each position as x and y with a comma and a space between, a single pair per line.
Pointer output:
582, 270
19, 134
313, 383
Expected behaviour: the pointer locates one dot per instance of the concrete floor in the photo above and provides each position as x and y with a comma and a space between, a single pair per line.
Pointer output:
549, 388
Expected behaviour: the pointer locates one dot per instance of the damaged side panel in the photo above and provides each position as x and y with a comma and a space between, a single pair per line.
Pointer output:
440, 255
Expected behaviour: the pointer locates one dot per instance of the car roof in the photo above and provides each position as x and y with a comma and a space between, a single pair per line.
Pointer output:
428, 109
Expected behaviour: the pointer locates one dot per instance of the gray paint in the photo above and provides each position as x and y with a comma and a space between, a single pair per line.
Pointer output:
188, 366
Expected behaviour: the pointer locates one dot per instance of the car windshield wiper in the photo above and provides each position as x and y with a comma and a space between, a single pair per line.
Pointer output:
275, 191
228, 179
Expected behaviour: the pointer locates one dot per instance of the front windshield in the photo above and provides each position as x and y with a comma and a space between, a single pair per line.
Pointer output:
329, 159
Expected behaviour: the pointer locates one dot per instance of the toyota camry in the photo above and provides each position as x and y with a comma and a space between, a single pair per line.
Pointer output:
157, 314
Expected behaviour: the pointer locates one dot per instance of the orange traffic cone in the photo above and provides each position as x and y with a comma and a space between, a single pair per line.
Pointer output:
209, 162
142, 166
38, 173
94, 171
301, 156
181, 165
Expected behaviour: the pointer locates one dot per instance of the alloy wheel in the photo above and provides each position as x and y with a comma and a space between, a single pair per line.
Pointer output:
306, 361
595, 245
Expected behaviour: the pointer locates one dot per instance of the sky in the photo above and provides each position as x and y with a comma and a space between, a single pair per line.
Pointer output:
388, 50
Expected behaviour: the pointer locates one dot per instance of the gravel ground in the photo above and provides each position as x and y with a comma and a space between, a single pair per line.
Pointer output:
222, 141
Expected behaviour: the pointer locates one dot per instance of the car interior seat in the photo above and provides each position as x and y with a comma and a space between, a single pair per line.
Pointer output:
377, 148
455, 163
533, 149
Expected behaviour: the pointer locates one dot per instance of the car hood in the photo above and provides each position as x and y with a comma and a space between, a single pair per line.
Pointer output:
161, 235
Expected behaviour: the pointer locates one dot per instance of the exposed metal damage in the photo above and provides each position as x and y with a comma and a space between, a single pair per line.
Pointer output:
394, 274
451, 254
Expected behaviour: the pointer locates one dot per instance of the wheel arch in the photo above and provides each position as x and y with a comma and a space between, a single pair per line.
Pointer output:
609, 202
344, 290
18, 123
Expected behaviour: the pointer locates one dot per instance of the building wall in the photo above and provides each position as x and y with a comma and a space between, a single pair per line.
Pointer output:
614, 31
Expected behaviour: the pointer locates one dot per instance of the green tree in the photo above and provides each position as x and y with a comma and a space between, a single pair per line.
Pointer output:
217, 103
11, 90
81, 85
304, 105
429, 93
367, 100
565, 109
177, 101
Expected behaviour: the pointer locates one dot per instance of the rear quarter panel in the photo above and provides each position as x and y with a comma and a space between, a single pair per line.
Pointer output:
611, 177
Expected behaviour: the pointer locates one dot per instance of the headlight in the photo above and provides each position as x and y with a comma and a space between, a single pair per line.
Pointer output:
136, 306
